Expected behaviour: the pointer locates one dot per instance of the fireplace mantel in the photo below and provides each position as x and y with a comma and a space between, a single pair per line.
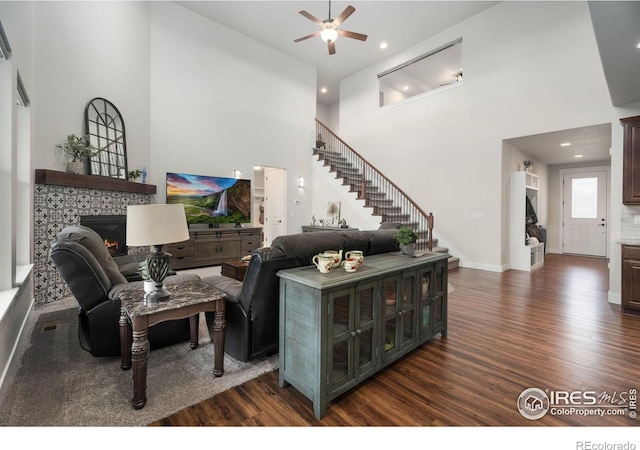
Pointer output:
45, 176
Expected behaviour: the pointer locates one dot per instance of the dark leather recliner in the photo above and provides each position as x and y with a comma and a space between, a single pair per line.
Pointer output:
95, 280
252, 306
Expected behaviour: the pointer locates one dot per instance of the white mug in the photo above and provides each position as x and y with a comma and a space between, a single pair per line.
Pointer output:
355, 255
324, 262
350, 265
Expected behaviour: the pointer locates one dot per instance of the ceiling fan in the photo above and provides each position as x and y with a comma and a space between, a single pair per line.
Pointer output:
330, 28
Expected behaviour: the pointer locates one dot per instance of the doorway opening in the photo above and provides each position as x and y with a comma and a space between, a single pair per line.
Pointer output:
270, 202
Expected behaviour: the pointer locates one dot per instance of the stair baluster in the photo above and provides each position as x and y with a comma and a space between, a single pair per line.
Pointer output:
378, 192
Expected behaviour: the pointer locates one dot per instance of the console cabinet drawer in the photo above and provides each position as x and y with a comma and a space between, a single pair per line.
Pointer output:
180, 249
182, 262
250, 243
209, 247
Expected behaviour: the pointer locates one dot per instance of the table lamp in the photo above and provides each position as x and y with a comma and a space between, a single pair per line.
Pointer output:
156, 225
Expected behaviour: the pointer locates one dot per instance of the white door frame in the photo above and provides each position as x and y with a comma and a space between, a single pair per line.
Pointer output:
562, 173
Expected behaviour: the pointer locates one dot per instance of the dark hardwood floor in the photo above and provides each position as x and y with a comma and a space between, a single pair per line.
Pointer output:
551, 329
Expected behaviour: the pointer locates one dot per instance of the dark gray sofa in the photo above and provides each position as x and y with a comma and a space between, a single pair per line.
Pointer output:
252, 306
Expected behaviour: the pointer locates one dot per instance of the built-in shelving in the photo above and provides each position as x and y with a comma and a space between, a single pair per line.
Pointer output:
523, 256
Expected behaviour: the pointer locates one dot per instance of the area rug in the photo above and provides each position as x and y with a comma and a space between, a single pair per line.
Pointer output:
57, 383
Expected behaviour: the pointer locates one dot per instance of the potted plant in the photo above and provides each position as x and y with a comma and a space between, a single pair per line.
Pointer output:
80, 150
406, 239
134, 175
527, 163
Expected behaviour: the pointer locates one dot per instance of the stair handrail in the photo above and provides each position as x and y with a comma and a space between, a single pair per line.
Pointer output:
322, 128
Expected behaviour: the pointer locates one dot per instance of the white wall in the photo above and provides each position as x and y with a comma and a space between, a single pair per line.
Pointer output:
86, 50
215, 108
529, 67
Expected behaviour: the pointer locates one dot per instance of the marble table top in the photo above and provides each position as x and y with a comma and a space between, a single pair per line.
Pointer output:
182, 294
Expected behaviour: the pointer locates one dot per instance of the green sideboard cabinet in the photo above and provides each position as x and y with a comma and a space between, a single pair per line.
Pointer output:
339, 328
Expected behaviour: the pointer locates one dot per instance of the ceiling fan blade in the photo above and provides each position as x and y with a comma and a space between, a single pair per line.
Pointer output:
311, 18
332, 47
352, 35
317, 33
344, 14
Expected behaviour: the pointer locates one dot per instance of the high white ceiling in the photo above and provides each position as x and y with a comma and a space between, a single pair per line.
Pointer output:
403, 23
398, 23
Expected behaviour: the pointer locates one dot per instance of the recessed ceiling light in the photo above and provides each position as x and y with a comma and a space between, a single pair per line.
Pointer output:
638, 46
406, 88
565, 144
578, 156
383, 45
323, 90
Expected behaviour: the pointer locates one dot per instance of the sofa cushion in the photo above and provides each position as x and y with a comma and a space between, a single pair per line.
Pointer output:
356, 240
129, 269
93, 242
382, 241
306, 245
229, 286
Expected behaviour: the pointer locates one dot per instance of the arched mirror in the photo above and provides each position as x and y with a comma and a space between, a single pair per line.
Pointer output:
105, 127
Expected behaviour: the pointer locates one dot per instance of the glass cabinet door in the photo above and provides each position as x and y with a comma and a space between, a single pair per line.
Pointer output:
341, 343
406, 314
400, 312
439, 298
364, 333
426, 302
391, 292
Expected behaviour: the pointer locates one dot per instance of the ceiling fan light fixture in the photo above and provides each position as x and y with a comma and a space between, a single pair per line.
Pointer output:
329, 34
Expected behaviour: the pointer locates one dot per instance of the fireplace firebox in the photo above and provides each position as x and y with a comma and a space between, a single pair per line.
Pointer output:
112, 229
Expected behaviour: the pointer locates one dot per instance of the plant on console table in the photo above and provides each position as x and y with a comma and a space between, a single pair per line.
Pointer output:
406, 239
80, 150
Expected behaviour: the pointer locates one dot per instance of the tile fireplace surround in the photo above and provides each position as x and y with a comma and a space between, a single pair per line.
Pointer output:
60, 199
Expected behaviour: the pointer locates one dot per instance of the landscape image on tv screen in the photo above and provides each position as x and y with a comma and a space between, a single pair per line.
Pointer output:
209, 199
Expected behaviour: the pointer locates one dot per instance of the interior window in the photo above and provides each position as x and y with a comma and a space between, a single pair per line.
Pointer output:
435, 70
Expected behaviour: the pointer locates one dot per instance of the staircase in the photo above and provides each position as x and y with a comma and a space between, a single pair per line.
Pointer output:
381, 195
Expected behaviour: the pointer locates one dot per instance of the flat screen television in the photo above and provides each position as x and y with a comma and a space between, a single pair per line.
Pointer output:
209, 199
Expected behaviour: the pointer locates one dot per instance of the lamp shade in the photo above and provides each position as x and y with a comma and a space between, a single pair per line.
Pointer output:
156, 224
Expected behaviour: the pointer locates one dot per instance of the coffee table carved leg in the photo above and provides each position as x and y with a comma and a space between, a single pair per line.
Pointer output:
193, 329
219, 323
125, 341
140, 356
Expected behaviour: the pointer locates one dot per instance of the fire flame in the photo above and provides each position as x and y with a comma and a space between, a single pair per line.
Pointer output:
111, 245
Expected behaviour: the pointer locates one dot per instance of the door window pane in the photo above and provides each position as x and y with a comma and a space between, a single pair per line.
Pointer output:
584, 198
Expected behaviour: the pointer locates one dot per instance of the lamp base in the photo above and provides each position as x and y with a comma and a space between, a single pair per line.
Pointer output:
158, 263
157, 295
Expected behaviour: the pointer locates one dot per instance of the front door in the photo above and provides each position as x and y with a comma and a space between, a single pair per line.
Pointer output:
585, 212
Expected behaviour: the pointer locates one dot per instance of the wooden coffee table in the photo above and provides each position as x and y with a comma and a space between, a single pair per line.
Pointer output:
187, 299
235, 269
